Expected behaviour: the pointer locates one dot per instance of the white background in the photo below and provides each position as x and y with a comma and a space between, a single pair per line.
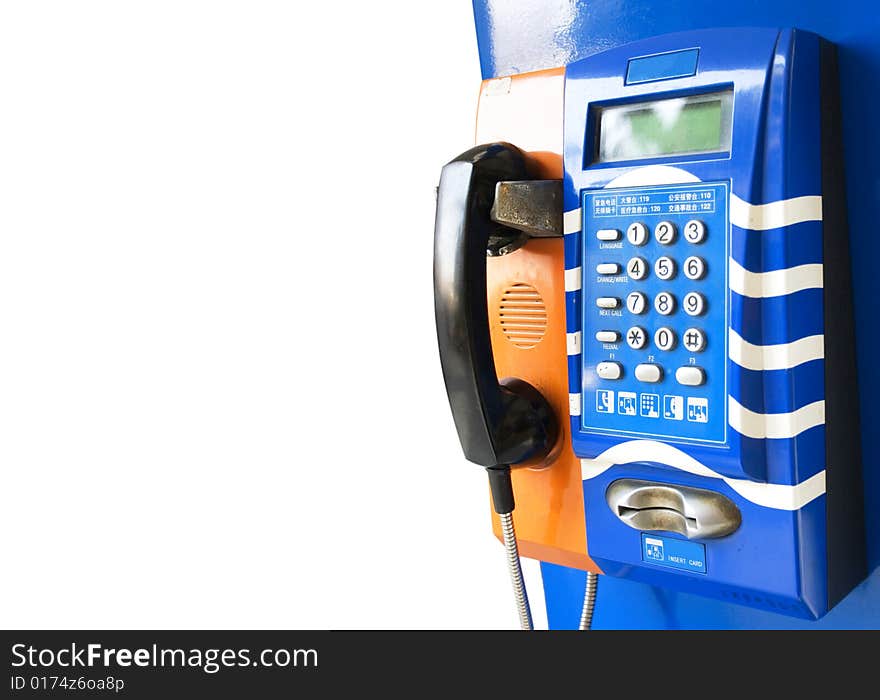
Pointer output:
220, 398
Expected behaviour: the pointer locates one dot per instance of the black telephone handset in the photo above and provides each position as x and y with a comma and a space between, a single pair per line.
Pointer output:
504, 422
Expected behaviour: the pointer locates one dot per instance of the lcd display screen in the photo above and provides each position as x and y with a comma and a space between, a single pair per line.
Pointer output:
674, 126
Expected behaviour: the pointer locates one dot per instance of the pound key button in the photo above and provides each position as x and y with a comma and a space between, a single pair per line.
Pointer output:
609, 370
690, 376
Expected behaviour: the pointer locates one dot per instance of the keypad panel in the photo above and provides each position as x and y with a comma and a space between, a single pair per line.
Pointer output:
666, 374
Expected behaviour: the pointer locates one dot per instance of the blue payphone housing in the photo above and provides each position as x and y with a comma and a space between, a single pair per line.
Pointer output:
709, 320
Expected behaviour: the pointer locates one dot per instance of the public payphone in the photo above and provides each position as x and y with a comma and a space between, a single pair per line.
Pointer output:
710, 341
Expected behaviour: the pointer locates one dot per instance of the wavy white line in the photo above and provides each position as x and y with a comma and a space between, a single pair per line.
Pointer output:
769, 357
774, 425
571, 221
776, 496
760, 285
784, 212
573, 279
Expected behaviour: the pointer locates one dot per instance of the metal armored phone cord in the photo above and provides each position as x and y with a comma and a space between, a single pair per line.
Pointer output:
502, 500
589, 601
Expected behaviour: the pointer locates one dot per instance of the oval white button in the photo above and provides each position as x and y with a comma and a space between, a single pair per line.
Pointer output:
694, 268
609, 370
608, 234
695, 231
649, 373
607, 336
607, 302
607, 268
690, 376
637, 233
694, 304
664, 233
636, 338
637, 268
637, 303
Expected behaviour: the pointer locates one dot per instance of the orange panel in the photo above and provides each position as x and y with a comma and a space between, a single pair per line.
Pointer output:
526, 294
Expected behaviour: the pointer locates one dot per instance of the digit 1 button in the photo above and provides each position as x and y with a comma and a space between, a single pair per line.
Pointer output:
690, 376
664, 303
636, 303
694, 304
609, 370
694, 339
695, 231
637, 268
664, 268
664, 338
649, 373
694, 268
664, 233
636, 338
637, 233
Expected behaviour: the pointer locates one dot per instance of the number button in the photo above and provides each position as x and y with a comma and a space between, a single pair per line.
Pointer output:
637, 303
664, 233
637, 233
664, 268
694, 268
695, 231
664, 303
694, 339
664, 338
694, 304
636, 338
637, 268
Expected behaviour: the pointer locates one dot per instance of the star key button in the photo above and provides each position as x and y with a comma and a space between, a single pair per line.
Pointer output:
636, 337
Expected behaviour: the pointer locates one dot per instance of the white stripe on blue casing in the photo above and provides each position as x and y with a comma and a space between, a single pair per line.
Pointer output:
574, 404
776, 282
571, 221
768, 357
777, 496
774, 425
779, 214
573, 343
573, 279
